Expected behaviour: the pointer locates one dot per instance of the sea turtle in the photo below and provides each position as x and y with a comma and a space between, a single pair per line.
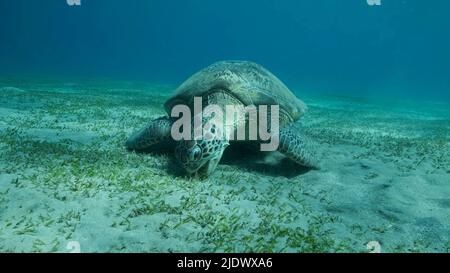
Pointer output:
228, 83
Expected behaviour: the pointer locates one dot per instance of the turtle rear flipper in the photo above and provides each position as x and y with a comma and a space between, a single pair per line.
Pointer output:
155, 136
297, 146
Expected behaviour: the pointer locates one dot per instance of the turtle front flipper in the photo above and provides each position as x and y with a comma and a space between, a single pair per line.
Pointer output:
154, 137
297, 146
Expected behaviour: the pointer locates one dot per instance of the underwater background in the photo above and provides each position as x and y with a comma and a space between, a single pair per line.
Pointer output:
76, 81
399, 48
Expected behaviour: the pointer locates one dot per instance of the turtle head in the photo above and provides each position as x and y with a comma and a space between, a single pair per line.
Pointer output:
201, 156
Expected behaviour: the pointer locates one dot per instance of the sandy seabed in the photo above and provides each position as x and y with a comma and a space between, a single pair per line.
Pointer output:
65, 176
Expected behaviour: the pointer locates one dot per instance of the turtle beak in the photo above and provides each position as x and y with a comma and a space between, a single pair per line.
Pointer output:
202, 172
208, 168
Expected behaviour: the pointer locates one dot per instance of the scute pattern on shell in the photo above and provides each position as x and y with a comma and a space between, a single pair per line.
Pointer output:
249, 82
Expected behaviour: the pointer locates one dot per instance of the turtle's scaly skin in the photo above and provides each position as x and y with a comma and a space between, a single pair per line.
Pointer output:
230, 83
156, 132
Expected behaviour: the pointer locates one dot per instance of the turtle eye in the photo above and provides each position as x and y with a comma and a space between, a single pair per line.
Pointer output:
197, 153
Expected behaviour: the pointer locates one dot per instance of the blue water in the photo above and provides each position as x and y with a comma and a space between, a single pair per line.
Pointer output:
401, 48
